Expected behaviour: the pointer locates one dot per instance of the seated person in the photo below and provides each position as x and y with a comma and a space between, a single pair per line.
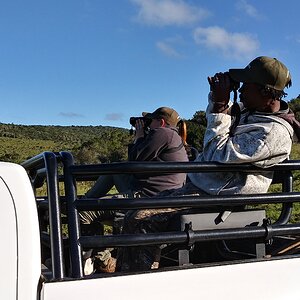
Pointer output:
261, 134
162, 143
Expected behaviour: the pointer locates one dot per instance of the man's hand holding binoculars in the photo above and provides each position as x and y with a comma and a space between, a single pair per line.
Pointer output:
220, 87
139, 129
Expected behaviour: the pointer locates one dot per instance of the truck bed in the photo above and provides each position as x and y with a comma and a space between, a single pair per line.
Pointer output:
267, 266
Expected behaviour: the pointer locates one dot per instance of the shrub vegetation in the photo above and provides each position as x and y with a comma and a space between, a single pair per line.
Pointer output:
102, 144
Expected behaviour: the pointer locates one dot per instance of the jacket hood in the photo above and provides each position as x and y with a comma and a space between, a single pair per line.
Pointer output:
284, 113
288, 115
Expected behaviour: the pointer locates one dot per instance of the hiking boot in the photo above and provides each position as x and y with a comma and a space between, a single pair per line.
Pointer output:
108, 267
88, 267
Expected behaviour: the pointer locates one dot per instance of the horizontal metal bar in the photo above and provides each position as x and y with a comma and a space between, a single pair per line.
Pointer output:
123, 240
181, 237
173, 167
38, 161
42, 204
186, 201
38, 177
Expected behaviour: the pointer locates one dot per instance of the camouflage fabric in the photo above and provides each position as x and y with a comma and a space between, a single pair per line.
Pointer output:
90, 217
92, 224
149, 221
104, 262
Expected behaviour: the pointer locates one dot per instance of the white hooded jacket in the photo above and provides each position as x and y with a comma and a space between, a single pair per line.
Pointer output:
260, 139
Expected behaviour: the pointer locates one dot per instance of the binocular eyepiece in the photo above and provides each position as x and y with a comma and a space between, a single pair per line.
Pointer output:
146, 121
234, 85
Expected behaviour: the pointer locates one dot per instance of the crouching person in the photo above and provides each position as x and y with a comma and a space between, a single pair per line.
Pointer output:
261, 135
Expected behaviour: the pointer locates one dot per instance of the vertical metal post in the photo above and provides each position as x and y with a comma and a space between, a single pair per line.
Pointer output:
54, 216
73, 221
286, 211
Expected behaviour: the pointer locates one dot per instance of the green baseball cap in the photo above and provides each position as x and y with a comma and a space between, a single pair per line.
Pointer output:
265, 71
170, 115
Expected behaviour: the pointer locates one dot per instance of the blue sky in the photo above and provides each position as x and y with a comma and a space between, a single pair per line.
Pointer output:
98, 62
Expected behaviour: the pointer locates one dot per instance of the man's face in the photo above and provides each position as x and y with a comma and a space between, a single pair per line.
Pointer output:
155, 123
251, 97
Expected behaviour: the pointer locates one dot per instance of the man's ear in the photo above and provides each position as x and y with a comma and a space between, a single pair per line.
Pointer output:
163, 123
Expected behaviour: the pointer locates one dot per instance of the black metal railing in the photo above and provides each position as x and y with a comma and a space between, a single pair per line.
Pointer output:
46, 165
75, 173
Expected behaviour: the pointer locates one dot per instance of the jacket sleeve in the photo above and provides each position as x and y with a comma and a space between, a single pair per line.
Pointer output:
148, 148
260, 143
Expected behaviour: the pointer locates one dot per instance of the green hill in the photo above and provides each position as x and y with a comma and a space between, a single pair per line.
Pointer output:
88, 143
94, 144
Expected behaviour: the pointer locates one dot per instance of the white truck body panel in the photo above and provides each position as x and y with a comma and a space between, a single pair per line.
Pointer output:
8, 250
274, 279
20, 249
21, 265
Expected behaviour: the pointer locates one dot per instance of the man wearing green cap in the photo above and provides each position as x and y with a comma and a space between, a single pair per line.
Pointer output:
259, 130
162, 143
264, 132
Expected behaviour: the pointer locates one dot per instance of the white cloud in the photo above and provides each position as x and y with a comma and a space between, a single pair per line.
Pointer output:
169, 46
232, 45
167, 49
249, 9
168, 12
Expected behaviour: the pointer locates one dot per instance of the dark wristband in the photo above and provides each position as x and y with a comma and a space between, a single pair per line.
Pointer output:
219, 107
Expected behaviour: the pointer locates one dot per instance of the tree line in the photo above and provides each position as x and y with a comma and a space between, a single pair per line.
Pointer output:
88, 144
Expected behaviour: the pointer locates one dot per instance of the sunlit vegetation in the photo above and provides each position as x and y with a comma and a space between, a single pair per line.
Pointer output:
99, 144
89, 144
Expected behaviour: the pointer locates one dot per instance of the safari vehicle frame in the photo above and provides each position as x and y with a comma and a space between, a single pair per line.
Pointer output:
66, 253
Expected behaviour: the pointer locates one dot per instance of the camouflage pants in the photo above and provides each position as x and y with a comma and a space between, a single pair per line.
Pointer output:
92, 224
142, 258
98, 216
122, 182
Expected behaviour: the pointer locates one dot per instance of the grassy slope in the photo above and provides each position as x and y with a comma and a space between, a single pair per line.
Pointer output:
21, 142
19, 149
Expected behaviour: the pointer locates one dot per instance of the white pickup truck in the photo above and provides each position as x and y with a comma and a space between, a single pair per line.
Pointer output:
227, 252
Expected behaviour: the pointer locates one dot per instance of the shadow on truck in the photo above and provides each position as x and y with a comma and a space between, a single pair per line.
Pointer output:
213, 230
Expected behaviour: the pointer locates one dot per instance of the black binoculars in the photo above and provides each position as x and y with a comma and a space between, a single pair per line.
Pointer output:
146, 121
